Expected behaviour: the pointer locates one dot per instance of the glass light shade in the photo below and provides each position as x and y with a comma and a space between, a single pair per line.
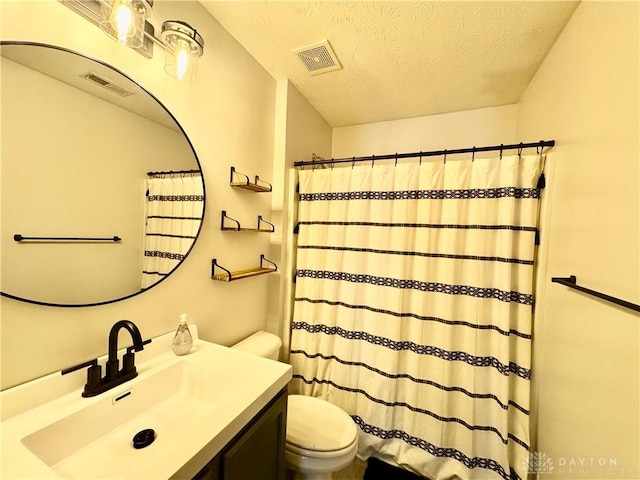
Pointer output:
183, 48
124, 20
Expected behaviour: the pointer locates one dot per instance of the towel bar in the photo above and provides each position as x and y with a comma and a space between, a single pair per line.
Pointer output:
571, 280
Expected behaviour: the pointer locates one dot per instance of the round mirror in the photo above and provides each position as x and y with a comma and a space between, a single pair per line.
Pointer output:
102, 192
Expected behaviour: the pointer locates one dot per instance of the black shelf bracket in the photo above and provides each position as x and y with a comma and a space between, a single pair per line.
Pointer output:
571, 282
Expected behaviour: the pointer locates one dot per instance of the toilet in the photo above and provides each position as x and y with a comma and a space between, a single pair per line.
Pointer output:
321, 437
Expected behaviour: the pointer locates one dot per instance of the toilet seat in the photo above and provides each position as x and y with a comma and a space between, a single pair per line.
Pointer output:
318, 428
303, 452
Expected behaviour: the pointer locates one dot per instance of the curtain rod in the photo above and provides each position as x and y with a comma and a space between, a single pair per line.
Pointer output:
173, 172
434, 153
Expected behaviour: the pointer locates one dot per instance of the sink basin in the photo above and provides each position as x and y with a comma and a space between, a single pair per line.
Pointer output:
98, 438
195, 404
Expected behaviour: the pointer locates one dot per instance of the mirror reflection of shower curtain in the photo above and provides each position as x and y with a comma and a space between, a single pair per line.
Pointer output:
174, 212
413, 309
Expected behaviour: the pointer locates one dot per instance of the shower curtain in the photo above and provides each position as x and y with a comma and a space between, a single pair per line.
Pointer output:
174, 211
413, 305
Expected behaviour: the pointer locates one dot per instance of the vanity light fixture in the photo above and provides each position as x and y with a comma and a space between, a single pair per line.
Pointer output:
123, 20
126, 22
184, 46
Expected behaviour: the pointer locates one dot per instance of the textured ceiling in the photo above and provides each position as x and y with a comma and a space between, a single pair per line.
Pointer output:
400, 59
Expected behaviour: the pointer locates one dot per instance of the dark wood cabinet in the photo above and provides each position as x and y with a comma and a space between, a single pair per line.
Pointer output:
257, 452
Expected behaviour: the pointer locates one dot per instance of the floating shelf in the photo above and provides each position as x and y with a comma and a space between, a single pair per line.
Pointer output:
229, 276
239, 228
258, 186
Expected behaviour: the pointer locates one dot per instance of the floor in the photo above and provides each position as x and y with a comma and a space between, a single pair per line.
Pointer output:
355, 471
374, 470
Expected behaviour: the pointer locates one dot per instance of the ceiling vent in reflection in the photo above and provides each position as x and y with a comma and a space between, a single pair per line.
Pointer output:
104, 83
318, 58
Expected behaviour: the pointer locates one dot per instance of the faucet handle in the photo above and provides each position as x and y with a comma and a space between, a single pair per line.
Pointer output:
90, 363
94, 372
128, 359
131, 349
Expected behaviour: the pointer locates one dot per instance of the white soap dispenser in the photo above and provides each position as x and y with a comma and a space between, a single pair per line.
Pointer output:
182, 342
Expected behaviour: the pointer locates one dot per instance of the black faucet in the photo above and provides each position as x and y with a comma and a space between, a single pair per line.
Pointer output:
96, 384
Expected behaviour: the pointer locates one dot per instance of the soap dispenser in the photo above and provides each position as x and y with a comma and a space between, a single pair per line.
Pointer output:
182, 342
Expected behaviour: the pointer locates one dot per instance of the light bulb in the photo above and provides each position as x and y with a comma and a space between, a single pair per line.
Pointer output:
182, 61
122, 21
183, 47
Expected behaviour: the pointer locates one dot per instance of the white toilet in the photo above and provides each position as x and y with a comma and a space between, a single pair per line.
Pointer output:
321, 437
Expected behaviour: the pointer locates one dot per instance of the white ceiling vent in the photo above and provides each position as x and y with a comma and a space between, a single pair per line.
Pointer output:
319, 58
108, 84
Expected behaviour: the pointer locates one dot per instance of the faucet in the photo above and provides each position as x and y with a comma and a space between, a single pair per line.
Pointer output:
96, 384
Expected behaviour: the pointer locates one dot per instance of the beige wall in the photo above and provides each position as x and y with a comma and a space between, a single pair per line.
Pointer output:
300, 132
586, 352
485, 126
228, 114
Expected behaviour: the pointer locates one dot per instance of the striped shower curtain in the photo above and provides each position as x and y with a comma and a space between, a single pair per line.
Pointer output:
174, 211
413, 306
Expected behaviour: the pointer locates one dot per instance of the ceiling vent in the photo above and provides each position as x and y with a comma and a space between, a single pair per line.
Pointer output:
108, 84
318, 58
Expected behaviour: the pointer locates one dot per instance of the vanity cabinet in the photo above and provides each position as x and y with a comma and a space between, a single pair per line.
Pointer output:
257, 451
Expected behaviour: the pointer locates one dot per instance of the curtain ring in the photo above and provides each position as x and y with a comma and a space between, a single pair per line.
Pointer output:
420, 157
501, 145
373, 160
353, 163
396, 159
473, 154
333, 164
520, 150
445, 156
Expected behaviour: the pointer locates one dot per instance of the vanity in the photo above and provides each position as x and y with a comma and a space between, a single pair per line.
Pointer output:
216, 413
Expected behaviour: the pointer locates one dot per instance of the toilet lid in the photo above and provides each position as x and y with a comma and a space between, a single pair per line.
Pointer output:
315, 424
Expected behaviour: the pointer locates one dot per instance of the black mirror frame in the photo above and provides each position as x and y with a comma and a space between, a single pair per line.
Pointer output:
195, 156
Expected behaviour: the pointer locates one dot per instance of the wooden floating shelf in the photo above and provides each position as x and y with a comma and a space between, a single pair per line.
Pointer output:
239, 228
240, 274
230, 276
258, 186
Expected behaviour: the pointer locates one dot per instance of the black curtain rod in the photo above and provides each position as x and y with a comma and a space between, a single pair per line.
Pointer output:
172, 172
434, 153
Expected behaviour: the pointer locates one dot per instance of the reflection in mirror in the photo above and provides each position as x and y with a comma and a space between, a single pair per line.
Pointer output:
79, 143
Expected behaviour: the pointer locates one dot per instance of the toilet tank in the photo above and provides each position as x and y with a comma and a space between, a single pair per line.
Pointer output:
261, 343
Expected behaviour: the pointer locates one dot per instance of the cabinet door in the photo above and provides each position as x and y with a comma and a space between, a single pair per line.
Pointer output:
211, 470
258, 452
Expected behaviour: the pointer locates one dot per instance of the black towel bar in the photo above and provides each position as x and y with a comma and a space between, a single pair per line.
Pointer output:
20, 238
571, 283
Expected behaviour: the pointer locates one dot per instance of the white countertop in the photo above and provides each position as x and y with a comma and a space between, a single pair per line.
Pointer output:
189, 431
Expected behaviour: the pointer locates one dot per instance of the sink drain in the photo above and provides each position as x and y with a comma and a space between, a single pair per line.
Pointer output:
144, 438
